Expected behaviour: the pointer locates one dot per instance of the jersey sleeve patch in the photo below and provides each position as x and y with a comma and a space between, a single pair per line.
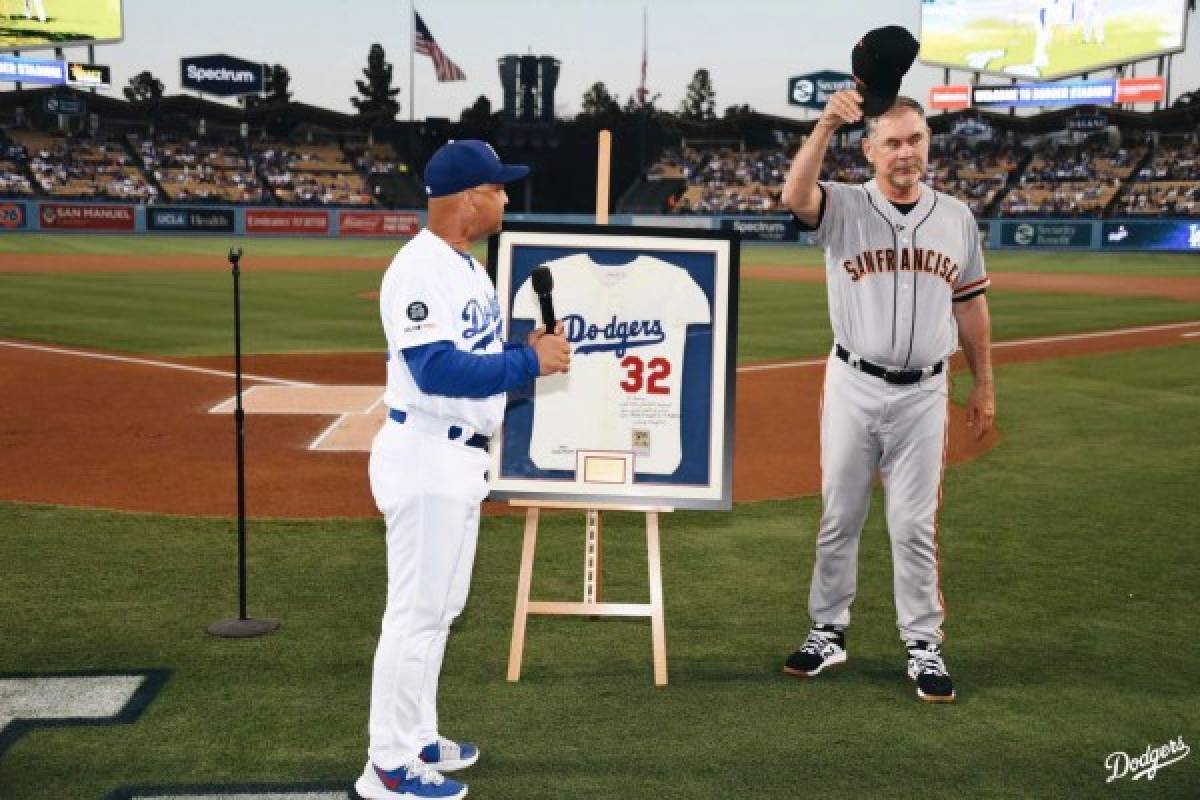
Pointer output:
418, 311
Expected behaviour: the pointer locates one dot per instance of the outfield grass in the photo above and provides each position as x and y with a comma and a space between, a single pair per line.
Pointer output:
1159, 264
215, 246
190, 313
1069, 567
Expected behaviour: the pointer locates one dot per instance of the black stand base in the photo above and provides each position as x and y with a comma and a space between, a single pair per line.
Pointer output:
242, 628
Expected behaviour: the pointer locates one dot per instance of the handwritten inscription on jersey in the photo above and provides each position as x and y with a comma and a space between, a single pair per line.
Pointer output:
615, 336
911, 259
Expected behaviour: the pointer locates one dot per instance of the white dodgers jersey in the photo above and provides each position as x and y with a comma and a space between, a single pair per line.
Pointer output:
627, 326
432, 293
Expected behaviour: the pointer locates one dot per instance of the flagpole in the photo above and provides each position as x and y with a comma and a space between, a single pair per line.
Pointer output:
412, 57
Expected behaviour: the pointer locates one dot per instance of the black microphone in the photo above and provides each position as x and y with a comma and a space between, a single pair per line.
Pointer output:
543, 285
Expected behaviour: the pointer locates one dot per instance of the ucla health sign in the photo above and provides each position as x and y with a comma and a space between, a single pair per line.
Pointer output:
32, 70
221, 75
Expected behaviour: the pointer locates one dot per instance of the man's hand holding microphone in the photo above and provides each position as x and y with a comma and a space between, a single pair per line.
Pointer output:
553, 351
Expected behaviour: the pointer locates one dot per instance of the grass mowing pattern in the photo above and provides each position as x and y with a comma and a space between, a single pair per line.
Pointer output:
215, 246
812, 258
190, 313
1069, 568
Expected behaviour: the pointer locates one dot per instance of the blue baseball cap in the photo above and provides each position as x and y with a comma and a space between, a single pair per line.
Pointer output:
465, 164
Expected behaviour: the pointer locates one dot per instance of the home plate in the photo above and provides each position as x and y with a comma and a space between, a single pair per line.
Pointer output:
352, 432
304, 400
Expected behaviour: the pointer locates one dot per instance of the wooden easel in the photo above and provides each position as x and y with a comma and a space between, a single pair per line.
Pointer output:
591, 605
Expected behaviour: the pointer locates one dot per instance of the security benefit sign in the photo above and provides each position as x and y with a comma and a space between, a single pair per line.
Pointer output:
645, 415
221, 75
813, 90
1046, 234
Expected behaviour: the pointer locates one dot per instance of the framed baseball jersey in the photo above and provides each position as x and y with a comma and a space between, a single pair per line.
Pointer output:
645, 414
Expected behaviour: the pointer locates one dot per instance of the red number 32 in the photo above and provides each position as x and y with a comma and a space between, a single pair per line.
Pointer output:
637, 375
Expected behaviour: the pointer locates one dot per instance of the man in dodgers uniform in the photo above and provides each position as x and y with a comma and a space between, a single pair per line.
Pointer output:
628, 357
906, 281
447, 373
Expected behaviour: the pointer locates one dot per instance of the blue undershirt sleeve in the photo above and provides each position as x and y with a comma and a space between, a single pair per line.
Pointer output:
441, 368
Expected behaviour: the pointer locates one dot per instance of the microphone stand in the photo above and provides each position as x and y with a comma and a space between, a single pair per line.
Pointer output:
243, 626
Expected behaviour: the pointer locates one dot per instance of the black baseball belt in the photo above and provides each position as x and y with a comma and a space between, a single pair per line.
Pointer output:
899, 377
453, 432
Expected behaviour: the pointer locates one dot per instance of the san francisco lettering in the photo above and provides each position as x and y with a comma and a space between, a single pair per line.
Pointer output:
618, 336
910, 259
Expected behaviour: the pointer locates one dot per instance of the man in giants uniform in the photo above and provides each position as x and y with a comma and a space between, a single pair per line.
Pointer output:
906, 281
448, 369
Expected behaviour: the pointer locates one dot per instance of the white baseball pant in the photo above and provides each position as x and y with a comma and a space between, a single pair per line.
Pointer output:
869, 425
429, 489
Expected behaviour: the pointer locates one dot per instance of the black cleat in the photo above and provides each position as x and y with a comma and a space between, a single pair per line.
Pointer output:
926, 667
824, 647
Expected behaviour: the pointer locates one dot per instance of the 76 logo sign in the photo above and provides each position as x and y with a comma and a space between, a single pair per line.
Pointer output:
651, 375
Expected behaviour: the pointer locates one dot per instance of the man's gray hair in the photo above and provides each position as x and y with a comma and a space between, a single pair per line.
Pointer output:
901, 103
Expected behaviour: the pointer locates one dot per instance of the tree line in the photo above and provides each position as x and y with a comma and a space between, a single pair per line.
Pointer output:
379, 101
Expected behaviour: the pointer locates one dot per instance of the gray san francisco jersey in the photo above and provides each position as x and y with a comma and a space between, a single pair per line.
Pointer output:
892, 276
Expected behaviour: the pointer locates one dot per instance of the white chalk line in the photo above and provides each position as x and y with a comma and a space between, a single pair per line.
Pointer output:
150, 363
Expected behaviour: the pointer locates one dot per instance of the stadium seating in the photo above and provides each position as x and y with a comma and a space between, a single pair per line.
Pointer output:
99, 168
1168, 185
1073, 181
311, 174
194, 171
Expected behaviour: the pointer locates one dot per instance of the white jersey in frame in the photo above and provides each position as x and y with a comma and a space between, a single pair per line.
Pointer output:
627, 326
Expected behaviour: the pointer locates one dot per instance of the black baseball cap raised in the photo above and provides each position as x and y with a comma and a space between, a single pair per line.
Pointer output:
879, 62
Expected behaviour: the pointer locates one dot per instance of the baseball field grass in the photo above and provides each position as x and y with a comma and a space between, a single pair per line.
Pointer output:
190, 313
1068, 554
1069, 567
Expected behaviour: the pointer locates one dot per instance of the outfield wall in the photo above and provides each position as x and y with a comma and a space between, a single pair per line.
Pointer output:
1171, 235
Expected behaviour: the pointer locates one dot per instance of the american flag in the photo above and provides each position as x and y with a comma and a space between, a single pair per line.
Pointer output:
424, 44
